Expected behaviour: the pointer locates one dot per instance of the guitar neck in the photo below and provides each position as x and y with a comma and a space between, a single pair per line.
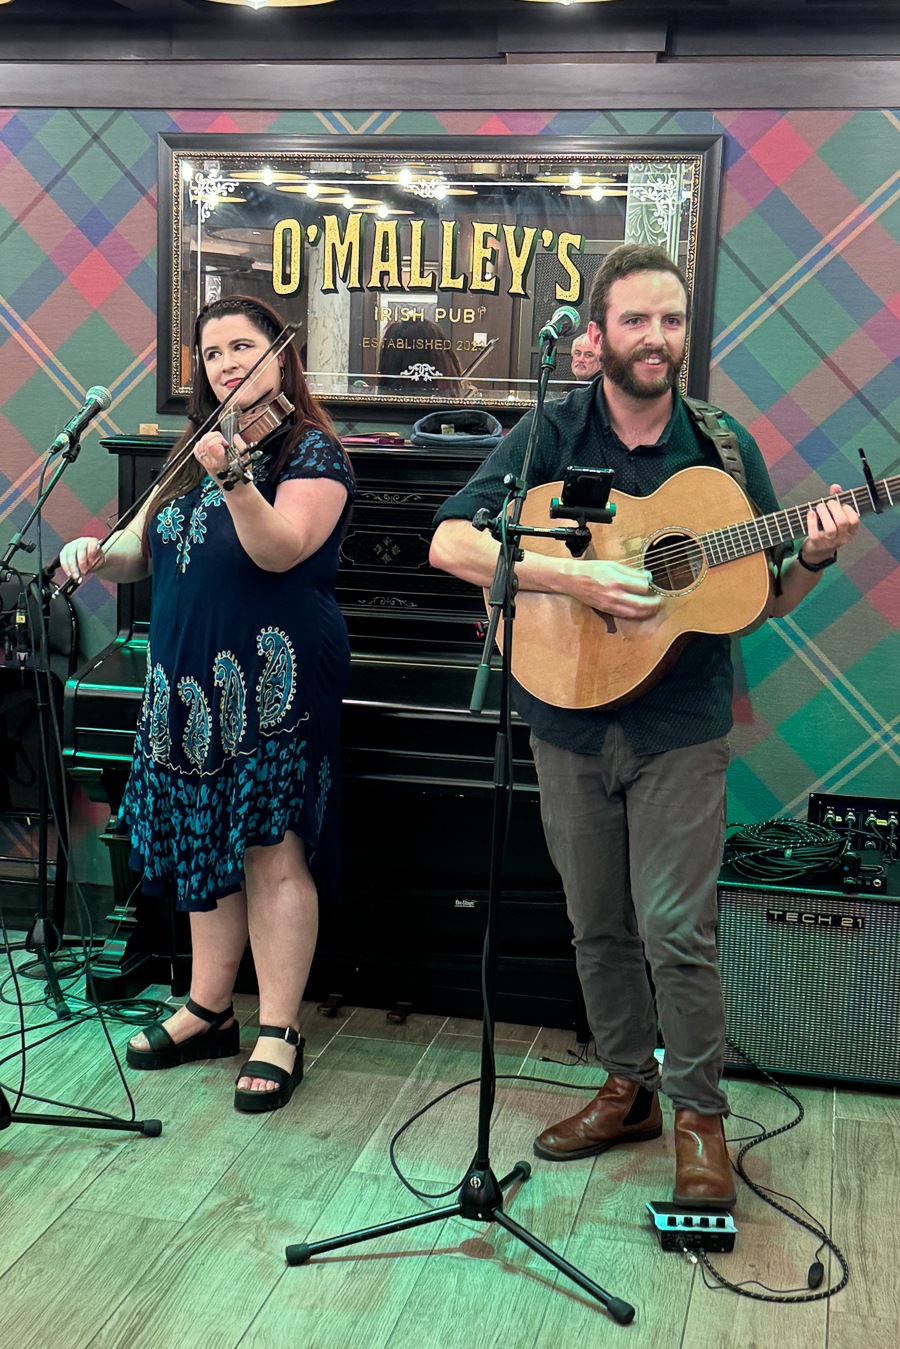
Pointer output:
767, 531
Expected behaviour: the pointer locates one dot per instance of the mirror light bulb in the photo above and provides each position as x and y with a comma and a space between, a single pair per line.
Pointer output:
348, 201
575, 179
405, 176
267, 175
312, 189
597, 192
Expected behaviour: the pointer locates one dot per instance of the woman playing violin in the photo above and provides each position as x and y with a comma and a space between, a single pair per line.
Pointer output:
232, 801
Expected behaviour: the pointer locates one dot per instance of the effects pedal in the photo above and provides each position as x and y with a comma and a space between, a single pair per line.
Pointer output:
694, 1228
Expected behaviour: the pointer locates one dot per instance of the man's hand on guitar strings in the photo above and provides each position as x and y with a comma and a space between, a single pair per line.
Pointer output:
612, 588
829, 526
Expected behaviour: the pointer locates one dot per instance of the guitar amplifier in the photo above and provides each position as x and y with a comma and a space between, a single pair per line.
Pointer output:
811, 979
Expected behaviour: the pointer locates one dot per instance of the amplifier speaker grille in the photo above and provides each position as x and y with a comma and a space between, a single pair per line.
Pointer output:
805, 994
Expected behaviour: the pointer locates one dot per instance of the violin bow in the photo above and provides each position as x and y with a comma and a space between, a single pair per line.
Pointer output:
278, 344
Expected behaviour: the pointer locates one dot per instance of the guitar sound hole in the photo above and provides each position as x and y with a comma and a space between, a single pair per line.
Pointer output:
675, 562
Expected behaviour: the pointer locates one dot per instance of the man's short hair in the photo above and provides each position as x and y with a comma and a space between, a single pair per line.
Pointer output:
625, 261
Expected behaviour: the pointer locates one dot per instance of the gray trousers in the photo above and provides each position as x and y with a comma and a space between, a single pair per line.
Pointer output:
638, 843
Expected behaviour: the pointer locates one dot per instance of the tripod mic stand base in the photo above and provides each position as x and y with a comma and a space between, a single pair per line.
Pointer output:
150, 1128
481, 1199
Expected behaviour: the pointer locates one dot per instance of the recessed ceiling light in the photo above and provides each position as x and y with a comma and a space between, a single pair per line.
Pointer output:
271, 4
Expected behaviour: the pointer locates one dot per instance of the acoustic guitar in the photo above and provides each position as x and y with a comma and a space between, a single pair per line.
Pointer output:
705, 550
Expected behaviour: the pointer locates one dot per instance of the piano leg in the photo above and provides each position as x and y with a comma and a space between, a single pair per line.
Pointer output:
134, 953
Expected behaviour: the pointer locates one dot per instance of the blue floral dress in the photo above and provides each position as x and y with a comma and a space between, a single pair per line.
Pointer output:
239, 732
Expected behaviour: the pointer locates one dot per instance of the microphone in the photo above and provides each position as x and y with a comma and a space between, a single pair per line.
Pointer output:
96, 400
564, 321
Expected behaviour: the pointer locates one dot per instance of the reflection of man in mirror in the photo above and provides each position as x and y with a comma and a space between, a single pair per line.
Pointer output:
585, 361
415, 358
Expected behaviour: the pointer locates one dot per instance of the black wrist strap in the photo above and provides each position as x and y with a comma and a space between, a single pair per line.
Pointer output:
816, 566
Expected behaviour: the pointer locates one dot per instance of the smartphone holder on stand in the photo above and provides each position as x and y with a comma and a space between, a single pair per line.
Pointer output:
585, 497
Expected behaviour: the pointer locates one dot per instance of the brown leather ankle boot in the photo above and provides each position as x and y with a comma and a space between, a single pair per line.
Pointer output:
703, 1172
622, 1112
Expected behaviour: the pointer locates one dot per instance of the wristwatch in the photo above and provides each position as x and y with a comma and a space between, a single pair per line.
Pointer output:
816, 566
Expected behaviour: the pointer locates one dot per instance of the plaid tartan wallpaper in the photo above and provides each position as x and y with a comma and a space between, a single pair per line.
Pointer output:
806, 353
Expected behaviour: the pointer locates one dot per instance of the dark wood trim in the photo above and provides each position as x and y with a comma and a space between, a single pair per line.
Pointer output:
212, 84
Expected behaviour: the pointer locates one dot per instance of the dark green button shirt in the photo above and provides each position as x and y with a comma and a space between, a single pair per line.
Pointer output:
692, 701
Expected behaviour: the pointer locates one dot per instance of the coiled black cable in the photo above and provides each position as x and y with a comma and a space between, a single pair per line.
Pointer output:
780, 849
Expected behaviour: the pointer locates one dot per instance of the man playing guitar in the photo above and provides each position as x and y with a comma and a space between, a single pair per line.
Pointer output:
633, 793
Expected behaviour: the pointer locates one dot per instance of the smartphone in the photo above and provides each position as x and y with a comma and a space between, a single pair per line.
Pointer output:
586, 487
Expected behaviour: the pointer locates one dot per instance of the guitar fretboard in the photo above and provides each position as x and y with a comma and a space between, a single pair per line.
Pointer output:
767, 531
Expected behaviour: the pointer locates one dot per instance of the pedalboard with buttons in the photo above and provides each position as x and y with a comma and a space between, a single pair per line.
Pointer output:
694, 1227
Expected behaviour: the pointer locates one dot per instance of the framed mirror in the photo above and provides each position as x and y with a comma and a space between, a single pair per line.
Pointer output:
420, 270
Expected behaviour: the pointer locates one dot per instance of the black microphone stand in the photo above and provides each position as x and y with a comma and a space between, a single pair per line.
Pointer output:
43, 926
481, 1193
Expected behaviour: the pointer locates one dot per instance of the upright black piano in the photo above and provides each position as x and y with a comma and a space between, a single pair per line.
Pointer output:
417, 784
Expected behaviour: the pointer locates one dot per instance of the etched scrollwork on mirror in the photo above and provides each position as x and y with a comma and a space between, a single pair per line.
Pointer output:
421, 270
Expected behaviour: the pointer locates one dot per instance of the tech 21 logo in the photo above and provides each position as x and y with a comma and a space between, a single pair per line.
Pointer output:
807, 918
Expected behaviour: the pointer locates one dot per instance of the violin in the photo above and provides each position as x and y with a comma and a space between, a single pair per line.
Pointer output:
252, 424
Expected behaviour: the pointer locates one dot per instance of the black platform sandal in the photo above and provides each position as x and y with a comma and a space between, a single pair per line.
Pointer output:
250, 1102
214, 1043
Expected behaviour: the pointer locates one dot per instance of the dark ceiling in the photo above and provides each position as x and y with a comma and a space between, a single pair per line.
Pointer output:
454, 30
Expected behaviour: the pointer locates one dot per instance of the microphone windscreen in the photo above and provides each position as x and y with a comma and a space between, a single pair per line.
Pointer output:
97, 394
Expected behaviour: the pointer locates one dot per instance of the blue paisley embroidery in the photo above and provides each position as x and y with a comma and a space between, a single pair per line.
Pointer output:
144, 715
160, 743
275, 690
233, 703
169, 523
197, 532
198, 729
171, 520
211, 494
324, 785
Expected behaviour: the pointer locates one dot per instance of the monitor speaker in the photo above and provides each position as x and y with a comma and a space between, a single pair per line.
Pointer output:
811, 980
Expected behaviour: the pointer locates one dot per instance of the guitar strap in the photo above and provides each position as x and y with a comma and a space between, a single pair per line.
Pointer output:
710, 422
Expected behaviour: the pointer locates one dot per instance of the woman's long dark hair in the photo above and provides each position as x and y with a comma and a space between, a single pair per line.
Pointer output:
307, 413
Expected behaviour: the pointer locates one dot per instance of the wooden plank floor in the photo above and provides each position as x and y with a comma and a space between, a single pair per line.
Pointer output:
115, 1241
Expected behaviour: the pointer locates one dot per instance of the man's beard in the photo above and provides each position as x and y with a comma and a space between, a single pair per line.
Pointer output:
619, 370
